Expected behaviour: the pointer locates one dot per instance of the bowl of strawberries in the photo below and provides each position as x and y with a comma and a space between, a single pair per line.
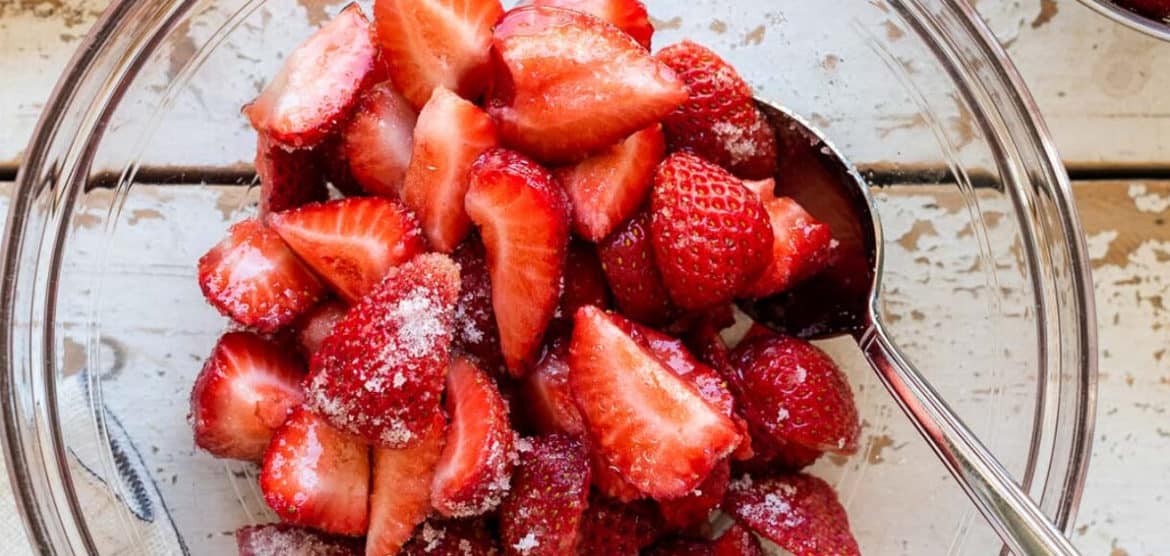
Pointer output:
472, 277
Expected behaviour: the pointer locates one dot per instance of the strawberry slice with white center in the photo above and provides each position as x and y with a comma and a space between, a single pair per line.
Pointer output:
253, 277
651, 425
801, 244
316, 476
378, 140
628, 15
569, 84
351, 243
319, 82
243, 394
431, 43
523, 217
401, 495
474, 470
316, 325
288, 178
451, 133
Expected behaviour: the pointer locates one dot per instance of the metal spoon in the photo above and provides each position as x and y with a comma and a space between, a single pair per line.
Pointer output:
843, 301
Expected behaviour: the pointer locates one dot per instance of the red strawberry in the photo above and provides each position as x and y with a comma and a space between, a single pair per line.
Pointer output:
672, 353
711, 234
401, 495
476, 334
568, 84
627, 257
546, 396
681, 546
606, 189
253, 277
738, 541
800, 513
693, 509
1156, 9
319, 82
432, 43
379, 375
282, 539
770, 454
476, 464
628, 15
450, 135
379, 140
616, 529
549, 495
317, 476
453, 538
243, 394
288, 178
584, 281
316, 325
523, 218
609, 482
647, 422
801, 244
351, 243
336, 163
795, 393
720, 121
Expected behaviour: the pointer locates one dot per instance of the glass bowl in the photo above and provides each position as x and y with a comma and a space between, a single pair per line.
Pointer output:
142, 160
1129, 18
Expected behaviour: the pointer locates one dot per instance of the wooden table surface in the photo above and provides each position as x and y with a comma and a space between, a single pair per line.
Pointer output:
1103, 90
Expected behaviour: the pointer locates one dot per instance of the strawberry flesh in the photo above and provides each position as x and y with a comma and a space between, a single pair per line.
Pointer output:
800, 513
738, 541
453, 538
401, 495
316, 325
628, 15
801, 244
288, 178
476, 334
549, 495
282, 539
379, 139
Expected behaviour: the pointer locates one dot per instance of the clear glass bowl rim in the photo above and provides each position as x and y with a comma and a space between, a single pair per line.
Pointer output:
1130, 19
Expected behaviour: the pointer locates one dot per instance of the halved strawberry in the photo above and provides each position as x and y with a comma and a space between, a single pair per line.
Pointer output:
283, 539
550, 491
474, 470
627, 257
318, 83
253, 277
379, 140
243, 394
616, 529
463, 537
584, 281
432, 43
476, 334
351, 243
288, 178
628, 15
801, 244
379, 375
451, 133
400, 498
800, 513
547, 400
695, 507
523, 218
316, 476
568, 84
606, 189
317, 324
650, 424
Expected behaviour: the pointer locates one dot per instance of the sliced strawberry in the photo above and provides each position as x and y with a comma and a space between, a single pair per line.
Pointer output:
319, 82
379, 375
584, 281
568, 84
523, 218
628, 15
316, 476
282, 539
550, 491
453, 538
450, 135
243, 394
800, 513
351, 243
401, 495
694, 508
609, 482
801, 244
288, 178
673, 353
653, 426
711, 235
336, 163
606, 189
433, 43
627, 258
720, 121
253, 277
474, 470
795, 393
738, 541
616, 529
316, 325
547, 400
476, 333
379, 140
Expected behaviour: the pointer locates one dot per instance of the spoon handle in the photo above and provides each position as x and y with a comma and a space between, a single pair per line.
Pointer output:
1006, 507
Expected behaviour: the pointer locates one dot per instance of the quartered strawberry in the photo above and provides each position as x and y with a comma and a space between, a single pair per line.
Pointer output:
650, 424
316, 476
694, 508
673, 353
379, 375
451, 133
550, 492
719, 122
568, 84
253, 277
288, 178
627, 258
584, 281
432, 43
628, 15
794, 392
243, 394
801, 244
476, 334
474, 470
711, 234
319, 82
462, 537
616, 529
523, 218
545, 395
400, 498
317, 324
379, 140
282, 539
351, 243
607, 188
800, 513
